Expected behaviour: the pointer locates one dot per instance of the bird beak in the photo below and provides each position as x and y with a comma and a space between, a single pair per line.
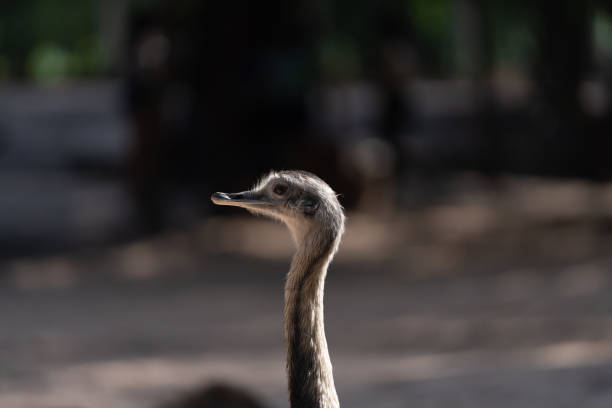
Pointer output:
245, 199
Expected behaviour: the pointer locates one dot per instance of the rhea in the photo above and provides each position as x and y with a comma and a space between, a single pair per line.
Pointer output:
311, 211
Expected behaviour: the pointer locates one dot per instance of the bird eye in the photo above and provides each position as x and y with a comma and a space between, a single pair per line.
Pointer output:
280, 189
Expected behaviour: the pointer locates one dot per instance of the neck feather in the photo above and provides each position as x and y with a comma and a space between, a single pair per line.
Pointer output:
311, 383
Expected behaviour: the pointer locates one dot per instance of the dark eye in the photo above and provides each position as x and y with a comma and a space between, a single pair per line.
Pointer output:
280, 189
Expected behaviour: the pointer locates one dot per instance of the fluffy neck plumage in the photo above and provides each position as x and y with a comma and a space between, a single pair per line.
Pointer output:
311, 383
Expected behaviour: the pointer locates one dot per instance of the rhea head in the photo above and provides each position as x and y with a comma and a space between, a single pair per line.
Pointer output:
310, 208
301, 200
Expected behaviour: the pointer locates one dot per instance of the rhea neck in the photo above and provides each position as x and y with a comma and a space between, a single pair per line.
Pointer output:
311, 383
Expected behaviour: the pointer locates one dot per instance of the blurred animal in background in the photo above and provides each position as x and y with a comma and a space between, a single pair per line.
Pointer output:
216, 396
315, 218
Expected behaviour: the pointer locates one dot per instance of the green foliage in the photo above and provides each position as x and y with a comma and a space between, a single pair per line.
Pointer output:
432, 21
512, 34
49, 40
339, 59
602, 36
48, 62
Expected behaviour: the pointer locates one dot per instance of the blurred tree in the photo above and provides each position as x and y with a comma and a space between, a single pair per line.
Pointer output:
562, 57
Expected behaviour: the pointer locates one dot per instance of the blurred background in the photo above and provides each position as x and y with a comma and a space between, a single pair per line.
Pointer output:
470, 141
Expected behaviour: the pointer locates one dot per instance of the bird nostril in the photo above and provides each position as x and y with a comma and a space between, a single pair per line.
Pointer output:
236, 196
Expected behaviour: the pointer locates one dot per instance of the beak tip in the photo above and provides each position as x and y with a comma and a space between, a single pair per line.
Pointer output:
218, 197
243, 199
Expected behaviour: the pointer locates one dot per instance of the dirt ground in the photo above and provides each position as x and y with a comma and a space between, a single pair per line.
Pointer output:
463, 304
395, 342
